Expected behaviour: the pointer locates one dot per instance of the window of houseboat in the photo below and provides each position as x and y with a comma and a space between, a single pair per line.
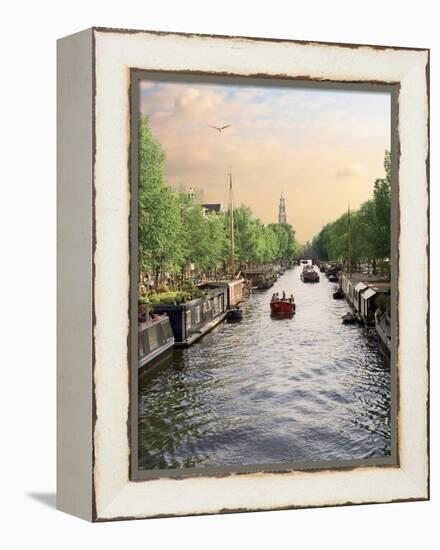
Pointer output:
143, 344
197, 315
153, 339
188, 319
166, 330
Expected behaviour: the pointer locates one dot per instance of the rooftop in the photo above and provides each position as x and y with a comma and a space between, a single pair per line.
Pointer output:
213, 207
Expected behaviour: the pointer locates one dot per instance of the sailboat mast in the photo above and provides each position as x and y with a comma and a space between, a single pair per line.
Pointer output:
349, 242
231, 226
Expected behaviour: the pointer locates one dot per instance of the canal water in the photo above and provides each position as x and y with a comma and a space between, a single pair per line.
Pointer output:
267, 390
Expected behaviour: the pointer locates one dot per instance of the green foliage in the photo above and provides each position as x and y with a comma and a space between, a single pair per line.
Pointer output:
190, 288
187, 292
204, 236
143, 299
258, 243
170, 298
175, 232
383, 303
160, 226
370, 228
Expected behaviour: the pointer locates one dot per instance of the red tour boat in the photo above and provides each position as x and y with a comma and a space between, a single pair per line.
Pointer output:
279, 306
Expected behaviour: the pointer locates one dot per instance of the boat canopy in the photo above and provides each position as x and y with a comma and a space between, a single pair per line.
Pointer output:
360, 286
368, 294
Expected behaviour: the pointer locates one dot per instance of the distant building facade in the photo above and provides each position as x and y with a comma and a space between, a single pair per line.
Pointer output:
282, 218
215, 207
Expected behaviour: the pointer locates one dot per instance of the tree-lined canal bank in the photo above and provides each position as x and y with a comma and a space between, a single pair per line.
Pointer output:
270, 390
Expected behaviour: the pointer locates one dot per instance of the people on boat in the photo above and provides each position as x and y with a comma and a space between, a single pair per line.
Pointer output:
291, 299
284, 295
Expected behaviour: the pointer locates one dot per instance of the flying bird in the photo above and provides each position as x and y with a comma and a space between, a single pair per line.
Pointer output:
221, 128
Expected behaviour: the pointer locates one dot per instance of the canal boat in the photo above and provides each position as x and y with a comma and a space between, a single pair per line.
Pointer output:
236, 290
155, 339
350, 319
260, 278
193, 319
309, 275
234, 315
383, 330
282, 307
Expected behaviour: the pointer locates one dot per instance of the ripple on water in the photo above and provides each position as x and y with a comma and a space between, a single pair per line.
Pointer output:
269, 391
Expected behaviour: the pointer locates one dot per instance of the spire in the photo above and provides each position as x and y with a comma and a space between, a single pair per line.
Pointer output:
282, 210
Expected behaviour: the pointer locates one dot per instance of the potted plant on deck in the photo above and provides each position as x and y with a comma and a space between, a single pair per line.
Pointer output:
143, 307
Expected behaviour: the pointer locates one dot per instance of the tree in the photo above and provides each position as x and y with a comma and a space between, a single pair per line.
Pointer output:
218, 241
246, 236
160, 232
204, 235
382, 212
370, 228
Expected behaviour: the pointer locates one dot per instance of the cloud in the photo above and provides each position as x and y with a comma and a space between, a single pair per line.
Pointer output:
352, 171
146, 85
301, 142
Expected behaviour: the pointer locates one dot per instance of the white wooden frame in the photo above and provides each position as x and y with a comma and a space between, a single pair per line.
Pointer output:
94, 209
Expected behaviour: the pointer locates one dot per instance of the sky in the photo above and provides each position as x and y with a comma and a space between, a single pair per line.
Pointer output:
323, 149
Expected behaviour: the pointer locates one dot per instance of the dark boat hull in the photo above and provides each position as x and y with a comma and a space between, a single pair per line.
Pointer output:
234, 315
350, 319
308, 278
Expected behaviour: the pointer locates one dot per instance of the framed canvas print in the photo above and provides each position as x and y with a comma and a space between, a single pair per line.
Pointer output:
243, 283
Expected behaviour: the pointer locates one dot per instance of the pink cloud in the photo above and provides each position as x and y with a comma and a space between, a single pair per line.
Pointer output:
316, 150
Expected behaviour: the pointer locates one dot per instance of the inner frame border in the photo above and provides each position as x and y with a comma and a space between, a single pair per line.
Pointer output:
392, 88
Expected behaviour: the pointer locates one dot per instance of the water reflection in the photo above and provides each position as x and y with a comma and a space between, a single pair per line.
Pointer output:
268, 391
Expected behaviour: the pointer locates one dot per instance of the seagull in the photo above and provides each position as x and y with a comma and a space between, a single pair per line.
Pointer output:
221, 128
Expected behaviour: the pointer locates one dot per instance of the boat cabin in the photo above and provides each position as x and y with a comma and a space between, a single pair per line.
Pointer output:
193, 319
235, 290
155, 337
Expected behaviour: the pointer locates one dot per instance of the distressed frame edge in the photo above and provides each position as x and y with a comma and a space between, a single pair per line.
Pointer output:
423, 491
94, 515
74, 274
393, 90
305, 42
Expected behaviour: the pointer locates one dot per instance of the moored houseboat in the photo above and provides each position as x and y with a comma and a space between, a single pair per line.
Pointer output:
383, 329
332, 271
260, 278
309, 275
236, 290
193, 319
155, 339
362, 292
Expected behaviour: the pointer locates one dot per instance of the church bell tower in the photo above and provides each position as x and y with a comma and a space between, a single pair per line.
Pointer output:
282, 210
